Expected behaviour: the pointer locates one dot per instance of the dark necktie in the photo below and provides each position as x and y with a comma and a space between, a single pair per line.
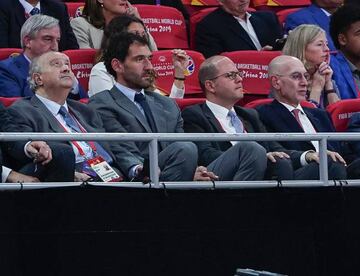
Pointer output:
141, 100
296, 115
236, 122
70, 121
34, 11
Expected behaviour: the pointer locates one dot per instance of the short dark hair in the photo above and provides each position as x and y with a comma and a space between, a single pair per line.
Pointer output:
341, 20
118, 47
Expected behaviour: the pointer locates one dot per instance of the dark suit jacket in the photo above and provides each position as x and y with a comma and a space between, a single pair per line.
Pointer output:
31, 115
310, 15
343, 77
200, 119
119, 114
14, 72
277, 118
220, 32
12, 17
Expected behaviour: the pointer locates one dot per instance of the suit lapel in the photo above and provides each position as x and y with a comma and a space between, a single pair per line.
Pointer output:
258, 27
314, 120
124, 103
53, 122
289, 121
243, 117
19, 12
212, 119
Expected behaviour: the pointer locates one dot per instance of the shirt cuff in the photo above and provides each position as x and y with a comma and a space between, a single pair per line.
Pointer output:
132, 171
303, 161
177, 92
26, 153
5, 173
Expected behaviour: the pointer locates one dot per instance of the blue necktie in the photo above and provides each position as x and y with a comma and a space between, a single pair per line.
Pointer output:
236, 122
141, 100
34, 11
70, 121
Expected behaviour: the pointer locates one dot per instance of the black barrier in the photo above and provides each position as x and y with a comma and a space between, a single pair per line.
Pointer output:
108, 231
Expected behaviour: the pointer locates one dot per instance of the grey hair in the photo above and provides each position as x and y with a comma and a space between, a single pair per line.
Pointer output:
36, 23
35, 67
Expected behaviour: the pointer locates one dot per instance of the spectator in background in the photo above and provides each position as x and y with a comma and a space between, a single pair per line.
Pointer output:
318, 13
289, 80
97, 14
231, 28
309, 44
13, 14
100, 79
39, 34
345, 31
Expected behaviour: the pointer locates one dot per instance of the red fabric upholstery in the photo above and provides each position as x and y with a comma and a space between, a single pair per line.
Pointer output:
8, 101
162, 62
255, 66
82, 60
9, 52
166, 25
257, 103
182, 103
74, 9
284, 3
341, 112
284, 13
204, 2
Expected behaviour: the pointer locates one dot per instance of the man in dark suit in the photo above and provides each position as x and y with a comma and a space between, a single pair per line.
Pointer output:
129, 107
222, 84
13, 14
232, 28
49, 110
318, 13
39, 34
288, 78
344, 29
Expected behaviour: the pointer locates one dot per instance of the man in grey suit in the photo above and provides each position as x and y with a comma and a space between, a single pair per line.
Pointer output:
49, 110
129, 107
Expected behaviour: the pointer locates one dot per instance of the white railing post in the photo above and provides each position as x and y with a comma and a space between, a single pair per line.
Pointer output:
323, 167
154, 160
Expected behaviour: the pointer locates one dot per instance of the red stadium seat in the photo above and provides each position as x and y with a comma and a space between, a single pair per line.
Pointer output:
82, 60
284, 13
257, 103
275, 4
341, 112
8, 101
74, 9
255, 66
166, 25
194, 20
182, 103
204, 2
9, 52
162, 62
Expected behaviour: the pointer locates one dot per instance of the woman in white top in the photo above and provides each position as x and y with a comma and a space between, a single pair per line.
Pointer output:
96, 15
101, 80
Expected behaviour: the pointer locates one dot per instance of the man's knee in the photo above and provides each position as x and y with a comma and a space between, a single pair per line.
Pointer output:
187, 149
336, 170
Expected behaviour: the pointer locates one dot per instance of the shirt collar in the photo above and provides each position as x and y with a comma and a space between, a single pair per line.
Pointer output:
128, 92
218, 110
28, 7
326, 12
291, 108
247, 17
51, 105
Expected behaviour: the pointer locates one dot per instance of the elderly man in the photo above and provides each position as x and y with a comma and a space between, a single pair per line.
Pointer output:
222, 84
231, 28
39, 34
13, 14
129, 107
318, 13
289, 80
49, 110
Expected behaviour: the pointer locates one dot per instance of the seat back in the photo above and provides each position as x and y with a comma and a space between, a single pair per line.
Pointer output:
9, 52
341, 111
163, 65
204, 2
281, 15
74, 9
7, 101
182, 103
256, 103
279, 3
166, 25
255, 66
82, 60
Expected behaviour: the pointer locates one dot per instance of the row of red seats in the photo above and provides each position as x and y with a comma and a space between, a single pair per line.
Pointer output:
167, 24
340, 112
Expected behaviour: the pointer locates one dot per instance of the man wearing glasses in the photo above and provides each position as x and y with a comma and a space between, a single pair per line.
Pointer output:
235, 160
289, 81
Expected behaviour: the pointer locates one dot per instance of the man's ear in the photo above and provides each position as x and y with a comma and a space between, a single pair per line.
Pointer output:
275, 82
209, 86
117, 65
342, 39
37, 79
26, 41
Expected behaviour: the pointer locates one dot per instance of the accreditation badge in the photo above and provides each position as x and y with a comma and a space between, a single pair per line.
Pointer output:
103, 169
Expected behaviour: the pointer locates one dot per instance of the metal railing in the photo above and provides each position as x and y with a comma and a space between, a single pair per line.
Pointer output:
154, 138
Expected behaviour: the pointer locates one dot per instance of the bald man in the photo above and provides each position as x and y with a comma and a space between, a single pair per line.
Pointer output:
289, 81
222, 84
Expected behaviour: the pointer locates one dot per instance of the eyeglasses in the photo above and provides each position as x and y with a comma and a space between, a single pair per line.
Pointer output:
230, 75
297, 76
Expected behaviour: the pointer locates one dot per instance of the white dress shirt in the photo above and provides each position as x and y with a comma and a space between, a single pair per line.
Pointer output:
248, 27
28, 7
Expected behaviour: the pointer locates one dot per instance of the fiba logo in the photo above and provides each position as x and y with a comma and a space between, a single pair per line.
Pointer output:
162, 58
190, 68
79, 11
